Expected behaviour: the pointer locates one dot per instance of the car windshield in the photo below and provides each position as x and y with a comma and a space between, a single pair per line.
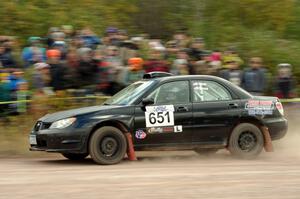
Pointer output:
129, 94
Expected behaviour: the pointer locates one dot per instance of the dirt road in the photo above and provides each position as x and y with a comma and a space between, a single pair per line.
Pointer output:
155, 175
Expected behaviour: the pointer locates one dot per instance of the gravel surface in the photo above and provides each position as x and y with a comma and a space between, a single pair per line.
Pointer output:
176, 174
154, 175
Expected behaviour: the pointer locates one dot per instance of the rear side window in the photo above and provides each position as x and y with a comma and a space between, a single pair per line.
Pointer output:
171, 93
204, 91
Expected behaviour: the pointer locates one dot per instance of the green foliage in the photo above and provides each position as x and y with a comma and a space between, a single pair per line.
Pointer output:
26, 18
270, 29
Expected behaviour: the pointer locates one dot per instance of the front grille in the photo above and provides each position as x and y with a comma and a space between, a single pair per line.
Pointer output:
41, 126
41, 143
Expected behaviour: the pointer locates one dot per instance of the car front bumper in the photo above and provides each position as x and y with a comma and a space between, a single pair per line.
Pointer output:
68, 140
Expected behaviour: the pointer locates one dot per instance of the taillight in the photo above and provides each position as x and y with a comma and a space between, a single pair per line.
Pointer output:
280, 108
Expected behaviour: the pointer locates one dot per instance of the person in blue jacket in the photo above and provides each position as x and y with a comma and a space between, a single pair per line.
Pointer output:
33, 53
254, 77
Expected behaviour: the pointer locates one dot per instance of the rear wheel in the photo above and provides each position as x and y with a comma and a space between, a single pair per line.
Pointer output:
74, 156
246, 141
107, 146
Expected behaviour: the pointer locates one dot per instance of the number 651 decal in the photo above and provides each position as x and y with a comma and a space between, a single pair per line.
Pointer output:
159, 116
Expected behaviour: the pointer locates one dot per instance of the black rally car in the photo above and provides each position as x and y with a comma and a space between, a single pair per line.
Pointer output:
201, 113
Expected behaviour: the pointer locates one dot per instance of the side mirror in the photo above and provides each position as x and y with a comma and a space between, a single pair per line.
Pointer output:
147, 101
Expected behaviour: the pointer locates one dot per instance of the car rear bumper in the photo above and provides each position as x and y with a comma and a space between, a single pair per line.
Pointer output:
277, 127
59, 140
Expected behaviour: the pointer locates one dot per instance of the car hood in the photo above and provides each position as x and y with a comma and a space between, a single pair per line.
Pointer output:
75, 112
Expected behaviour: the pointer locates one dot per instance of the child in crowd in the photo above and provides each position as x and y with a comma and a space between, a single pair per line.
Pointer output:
22, 94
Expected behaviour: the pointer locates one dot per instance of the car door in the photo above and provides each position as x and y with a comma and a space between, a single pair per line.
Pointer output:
168, 120
215, 111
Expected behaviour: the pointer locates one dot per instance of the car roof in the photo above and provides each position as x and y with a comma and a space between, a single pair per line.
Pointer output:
188, 77
233, 88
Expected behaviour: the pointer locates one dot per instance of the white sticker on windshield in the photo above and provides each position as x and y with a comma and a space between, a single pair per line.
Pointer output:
159, 116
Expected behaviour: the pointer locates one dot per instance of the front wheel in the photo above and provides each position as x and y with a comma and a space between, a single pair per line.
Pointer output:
74, 156
246, 141
107, 146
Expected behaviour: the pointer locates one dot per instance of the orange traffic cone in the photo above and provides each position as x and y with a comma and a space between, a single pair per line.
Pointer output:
268, 140
130, 149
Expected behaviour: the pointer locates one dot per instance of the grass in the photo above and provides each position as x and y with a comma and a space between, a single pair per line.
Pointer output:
14, 130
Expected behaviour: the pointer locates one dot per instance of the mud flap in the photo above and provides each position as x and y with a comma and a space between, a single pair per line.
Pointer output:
130, 148
268, 141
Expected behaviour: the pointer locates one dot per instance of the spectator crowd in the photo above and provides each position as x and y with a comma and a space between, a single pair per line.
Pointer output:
79, 60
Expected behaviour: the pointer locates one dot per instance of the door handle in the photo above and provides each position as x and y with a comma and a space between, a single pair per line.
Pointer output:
182, 109
233, 105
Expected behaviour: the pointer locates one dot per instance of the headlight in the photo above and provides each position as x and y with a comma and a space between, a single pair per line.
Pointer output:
60, 124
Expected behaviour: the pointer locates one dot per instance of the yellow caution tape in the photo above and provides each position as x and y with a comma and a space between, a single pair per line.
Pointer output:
290, 100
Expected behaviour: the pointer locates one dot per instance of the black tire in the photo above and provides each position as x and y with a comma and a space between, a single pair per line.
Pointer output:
246, 141
75, 156
206, 152
107, 146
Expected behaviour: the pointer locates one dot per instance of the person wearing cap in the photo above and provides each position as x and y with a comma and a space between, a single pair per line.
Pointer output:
285, 83
57, 70
229, 55
87, 71
134, 71
254, 77
62, 47
233, 73
41, 77
112, 36
34, 52
114, 67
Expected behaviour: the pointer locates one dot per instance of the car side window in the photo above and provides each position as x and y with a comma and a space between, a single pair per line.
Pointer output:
171, 93
209, 91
